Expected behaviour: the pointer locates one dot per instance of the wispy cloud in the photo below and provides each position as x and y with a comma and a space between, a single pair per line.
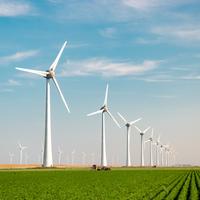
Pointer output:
191, 77
3, 90
14, 8
107, 68
77, 45
146, 41
165, 96
109, 32
18, 56
12, 82
9, 85
144, 5
187, 33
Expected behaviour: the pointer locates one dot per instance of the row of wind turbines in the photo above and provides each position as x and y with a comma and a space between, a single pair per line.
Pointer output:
49, 75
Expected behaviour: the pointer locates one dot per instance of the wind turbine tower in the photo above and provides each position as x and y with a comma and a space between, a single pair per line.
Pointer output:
150, 140
21, 149
104, 109
11, 155
128, 126
59, 155
142, 144
157, 151
49, 75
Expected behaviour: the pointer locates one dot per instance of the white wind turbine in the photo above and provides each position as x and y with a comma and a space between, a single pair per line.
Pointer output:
150, 140
11, 155
59, 155
83, 158
92, 158
161, 154
104, 109
166, 149
21, 149
49, 75
128, 126
142, 144
72, 154
157, 143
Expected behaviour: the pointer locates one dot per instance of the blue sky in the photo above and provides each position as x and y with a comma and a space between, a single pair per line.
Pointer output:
148, 51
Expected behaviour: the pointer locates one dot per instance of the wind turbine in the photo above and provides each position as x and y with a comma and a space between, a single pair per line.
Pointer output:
83, 157
72, 154
142, 144
21, 149
49, 75
150, 140
166, 148
92, 157
26, 158
157, 143
11, 155
59, 155
128, 126
104, 109
161, 153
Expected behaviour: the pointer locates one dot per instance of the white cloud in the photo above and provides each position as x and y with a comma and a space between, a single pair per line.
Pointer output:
106, 68
13, 8
191, 77
77, 45
165, 96
2, 90
186, 33
12, 82
18, 56
144, 41
145, 5
108, 32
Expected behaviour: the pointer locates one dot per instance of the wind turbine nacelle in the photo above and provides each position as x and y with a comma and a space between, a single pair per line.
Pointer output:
50, 74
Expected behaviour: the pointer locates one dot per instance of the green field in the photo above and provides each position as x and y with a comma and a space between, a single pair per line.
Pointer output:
88, 184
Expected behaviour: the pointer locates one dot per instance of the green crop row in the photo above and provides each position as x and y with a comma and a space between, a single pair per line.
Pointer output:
176, 190
184, 193
193, 188
165, 190
100, 185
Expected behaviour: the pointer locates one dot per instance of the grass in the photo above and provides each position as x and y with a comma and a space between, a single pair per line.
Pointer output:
87, 184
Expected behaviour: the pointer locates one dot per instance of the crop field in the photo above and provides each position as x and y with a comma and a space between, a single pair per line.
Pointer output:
88, 184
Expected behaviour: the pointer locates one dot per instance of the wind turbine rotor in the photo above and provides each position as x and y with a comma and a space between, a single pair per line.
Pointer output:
106, 96
61, 95
133, 122
37, 72
122, 118
109, 113
55, 63
95, 113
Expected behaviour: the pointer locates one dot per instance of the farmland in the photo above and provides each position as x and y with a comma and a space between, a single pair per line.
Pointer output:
88, 184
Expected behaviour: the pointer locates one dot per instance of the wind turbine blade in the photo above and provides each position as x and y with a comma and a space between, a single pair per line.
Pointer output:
40, 73
138, 129
122, 117
95, 113
146, 129
122, 126
55, 62
109, 113
152, 133
106, 96
19, 144
133, 122
61, 95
